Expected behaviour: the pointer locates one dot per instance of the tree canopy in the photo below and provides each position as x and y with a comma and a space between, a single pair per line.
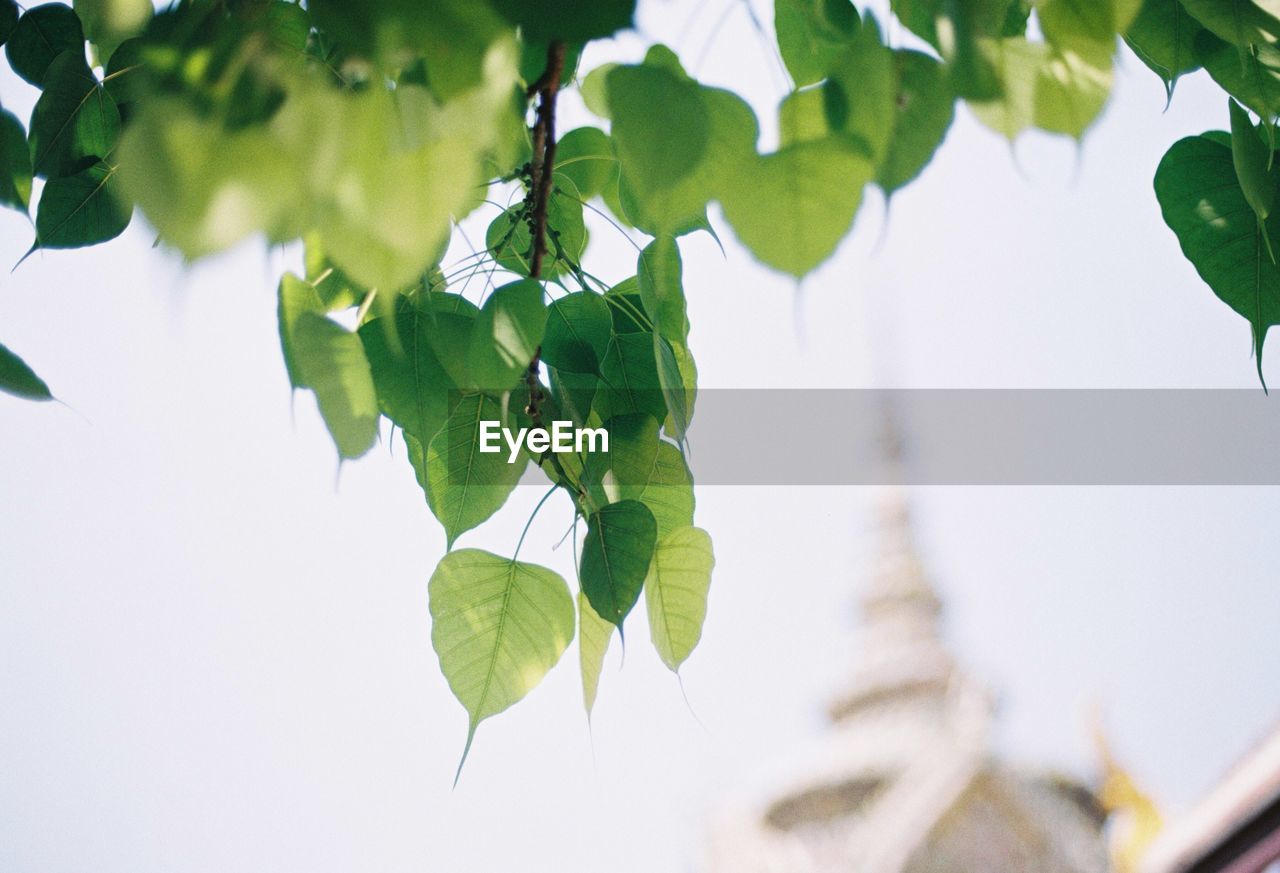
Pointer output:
367, 131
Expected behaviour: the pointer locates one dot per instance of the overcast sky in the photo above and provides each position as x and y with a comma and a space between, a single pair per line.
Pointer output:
212, 658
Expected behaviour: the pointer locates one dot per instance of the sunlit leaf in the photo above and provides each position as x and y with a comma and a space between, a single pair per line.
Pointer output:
812, 34
594, 636
15, 163
330, 360
498, 626
465, 486
413, 388
585, 156
507, 334
108, 23
675, 592
1240, 22
659, 272
923, 111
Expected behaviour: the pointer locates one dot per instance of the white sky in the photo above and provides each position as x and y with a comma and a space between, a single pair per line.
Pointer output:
211, 659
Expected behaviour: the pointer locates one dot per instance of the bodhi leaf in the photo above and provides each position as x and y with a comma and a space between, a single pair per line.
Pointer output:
860, 95
1252, 160
615, 558
294, 297
568, 20
800, 204
802, 116
75, 121
465, 485
1203, 204
1069, 24
43, 33
330, 360
924, 111
646, 104
1163, 36
413, 388
107, 23
1250, 74
15, 163
498, 626
675, 593
82, 210
1042, 87
18, 379
8, 19
594, 636
812, 34
507, 334
585, 156
641, 466
579, 328
629, 375
658, 272
677, 391
1240, 22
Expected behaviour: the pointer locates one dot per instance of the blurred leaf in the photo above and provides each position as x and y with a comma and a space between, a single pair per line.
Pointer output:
330, 360
579, 328
1163, 36
498, 626
507, 334
1069, 24
859, 96
464, 485
568, 20
1045, 88
18, 379
676, 593
646, 104
108, 23
594, 636
924, 110
802, 116
15, 163
75, 121
615, 558
800, 204
82, 210
1203, 204
41, 34
812, 34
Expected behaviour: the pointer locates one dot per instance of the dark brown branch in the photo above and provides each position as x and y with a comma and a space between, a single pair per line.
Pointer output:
542, 170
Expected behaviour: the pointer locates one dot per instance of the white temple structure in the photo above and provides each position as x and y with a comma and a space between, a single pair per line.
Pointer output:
905, 780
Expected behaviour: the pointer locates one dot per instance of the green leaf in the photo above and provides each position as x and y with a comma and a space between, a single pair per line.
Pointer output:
615, 558
1203, 204
15, 163
802, 116
579, 328
43, 33
498, 626
924, 108
1250, 74
75, 121
108, 23
646, 104
507, 334
641, 466
1069, 24
294, 296
413, 388
659, 272
859, 96
330, 360
1252, 159
8, 19
629, 374
82, 210
1042, 87
18, 379
677, 394
568, 20
585, 156
675, 593
1163, 36
1240, 22
812, 34
465, 486
594, 636
800, 203
287, 24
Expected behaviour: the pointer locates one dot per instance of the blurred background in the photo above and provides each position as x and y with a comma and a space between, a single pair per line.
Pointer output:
214, 644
